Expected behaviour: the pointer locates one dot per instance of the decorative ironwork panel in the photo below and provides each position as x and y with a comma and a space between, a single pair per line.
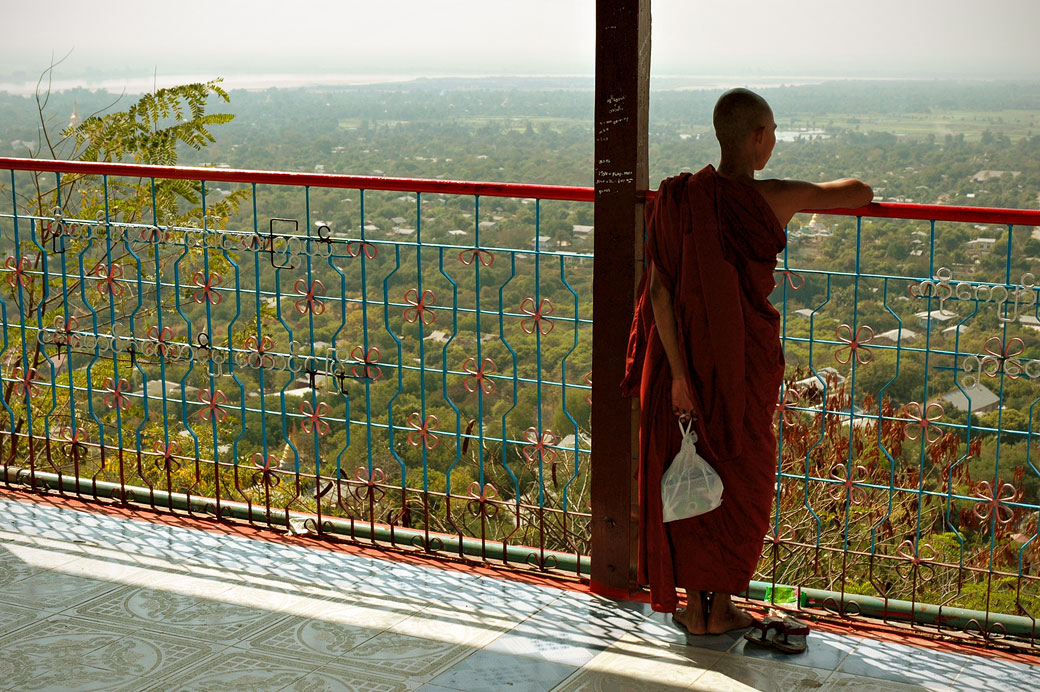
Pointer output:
907, 422
323, 355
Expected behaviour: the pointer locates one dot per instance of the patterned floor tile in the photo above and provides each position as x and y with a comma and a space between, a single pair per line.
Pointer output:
280, 599
332, 678
51, 590
933, 670
459, 629
42, 650
15, 553
13, 618
365, 611
304, 636
114, 568
336, 571
404, 657
586, 680
234, 670
310, 620
842, 682
150, 654
739, 674
489, 671
548, 647
73, 676
178, 614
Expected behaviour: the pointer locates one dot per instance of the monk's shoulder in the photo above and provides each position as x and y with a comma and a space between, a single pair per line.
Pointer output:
772, 188
781, 196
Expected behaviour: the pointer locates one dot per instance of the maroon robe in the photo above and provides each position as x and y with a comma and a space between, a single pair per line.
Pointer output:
713, 242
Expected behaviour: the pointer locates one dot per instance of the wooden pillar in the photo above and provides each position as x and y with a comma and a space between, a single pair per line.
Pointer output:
622, 100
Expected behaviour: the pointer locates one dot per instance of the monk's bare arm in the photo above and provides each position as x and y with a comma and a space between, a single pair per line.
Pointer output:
787, 197
667, 331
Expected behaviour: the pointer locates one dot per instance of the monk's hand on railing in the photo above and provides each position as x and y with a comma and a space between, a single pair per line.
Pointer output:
682, 399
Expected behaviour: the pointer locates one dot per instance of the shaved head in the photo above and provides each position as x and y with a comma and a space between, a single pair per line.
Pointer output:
738, 113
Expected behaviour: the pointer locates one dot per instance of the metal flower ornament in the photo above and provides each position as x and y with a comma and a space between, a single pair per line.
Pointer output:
482, 502
846, 486
110, 276
207, 288
258, 347
313, 421
25, 381
923, 422
310, 301
786, 408
794, 279
479, 377
65, 331
267, 469
420, 309
422, 432
357, 248
1003, 358
167, 453
993, 502
213, 408
19, 275
74, 442
538, 318
367, 367
158, 341
854, 344
779, 539
368, 485
155, 234
117, 393
913, 559
540, 446
485, 257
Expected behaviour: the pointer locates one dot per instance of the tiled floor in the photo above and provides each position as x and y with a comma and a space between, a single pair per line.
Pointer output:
97, 602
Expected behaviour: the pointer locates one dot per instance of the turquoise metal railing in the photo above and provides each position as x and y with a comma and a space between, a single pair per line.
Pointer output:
403, 367
906, 463
397, 370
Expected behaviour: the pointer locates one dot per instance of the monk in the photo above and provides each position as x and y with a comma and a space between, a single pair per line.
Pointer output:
705, 344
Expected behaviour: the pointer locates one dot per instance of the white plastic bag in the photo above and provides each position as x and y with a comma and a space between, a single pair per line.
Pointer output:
690, 485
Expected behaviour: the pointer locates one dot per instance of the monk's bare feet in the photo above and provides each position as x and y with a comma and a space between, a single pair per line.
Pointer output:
725, 616
692, 618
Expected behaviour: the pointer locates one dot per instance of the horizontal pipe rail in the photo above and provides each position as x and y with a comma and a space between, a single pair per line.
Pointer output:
332, 180
889, 210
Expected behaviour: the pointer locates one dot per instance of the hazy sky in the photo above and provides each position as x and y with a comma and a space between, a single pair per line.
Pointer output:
422, 37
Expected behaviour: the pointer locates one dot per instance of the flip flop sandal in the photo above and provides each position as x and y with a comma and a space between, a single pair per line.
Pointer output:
764, 632
790, 636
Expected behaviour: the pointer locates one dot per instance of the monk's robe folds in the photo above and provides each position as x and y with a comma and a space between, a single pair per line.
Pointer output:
713, 242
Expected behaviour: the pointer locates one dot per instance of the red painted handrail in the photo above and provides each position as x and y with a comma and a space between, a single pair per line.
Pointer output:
355, 182
891, 210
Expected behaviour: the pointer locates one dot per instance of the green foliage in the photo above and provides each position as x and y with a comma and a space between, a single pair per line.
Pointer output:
149, 131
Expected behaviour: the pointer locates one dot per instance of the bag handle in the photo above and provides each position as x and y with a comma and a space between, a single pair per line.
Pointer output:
687, 430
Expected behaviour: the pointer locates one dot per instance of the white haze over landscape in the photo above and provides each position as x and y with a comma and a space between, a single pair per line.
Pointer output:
117, 44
